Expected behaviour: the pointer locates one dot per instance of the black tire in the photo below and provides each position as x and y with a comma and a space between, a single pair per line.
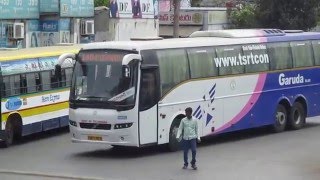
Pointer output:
174, 144
297, 116
281, 117
9, 131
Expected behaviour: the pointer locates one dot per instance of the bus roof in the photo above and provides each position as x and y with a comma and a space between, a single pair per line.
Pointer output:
202, 41
14, 54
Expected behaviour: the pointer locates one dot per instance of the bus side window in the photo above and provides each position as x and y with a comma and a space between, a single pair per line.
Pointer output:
6, 86
259, 55
316, 51
302, 54
23, 84
227, 60
53, 79
38, 82
201, 62
174, 68
45, 80
68, 76
31, 83
15, 80
279, 55
62, 82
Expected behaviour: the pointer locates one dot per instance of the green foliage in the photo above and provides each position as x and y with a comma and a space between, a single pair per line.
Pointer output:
244, 17
282, 14
101, 3
287, 14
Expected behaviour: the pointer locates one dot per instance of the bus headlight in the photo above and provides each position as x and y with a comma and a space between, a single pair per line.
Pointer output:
73, 123
122, 126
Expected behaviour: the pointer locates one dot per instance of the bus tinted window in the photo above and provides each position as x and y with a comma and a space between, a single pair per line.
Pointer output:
173, 68
201, 62
255, 58
316, 50
302, 54
280, 56
227, 60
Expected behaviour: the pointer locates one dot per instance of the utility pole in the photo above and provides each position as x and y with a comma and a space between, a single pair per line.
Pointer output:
176, 12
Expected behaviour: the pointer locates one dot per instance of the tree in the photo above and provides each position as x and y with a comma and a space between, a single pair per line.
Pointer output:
101, 3
287, 14
176, 12
243, 17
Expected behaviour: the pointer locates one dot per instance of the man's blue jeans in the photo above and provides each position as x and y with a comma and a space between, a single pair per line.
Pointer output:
189, 144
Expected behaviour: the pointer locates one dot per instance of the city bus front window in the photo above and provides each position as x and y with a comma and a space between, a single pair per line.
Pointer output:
99, 77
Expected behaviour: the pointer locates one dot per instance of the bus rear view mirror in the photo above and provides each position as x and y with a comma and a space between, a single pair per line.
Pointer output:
130, 57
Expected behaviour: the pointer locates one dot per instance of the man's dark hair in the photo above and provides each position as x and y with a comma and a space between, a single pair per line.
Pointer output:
189, 109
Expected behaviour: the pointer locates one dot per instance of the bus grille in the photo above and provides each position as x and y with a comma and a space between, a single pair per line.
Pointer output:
95, 126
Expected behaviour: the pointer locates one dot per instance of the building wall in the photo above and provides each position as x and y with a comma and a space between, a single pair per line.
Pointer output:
124, 29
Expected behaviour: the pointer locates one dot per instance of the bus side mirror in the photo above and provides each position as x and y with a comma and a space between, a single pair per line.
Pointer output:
57, 72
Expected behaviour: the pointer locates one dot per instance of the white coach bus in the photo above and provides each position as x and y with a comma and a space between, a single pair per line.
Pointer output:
134, 93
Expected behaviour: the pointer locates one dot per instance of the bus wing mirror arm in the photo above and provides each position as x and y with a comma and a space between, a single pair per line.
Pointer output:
129, 57
65, 56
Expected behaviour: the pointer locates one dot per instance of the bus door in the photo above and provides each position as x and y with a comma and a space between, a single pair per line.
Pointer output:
148, 108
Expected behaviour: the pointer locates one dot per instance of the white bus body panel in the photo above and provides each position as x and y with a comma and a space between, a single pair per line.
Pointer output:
148, 126
226, 100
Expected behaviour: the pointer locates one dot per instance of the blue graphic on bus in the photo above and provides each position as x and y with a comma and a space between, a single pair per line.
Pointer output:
13, 103
206, 112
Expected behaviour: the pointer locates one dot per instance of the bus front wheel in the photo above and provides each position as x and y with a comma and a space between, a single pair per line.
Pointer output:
281, 117
297, 116
174, 144
9, 134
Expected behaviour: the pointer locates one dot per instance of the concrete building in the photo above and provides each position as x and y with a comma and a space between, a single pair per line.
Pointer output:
37, 23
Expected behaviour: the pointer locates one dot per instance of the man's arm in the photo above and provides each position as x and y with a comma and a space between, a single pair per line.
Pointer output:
179, 133
197, 131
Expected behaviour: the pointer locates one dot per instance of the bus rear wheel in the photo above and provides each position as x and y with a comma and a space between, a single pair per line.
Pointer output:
9, 135
281, 117
297, 117
174, 144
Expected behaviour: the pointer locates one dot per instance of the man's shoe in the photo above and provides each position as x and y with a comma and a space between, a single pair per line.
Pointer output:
194, 167
185, 167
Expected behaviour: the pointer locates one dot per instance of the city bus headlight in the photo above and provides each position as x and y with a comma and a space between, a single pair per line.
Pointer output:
123, 125
73, 123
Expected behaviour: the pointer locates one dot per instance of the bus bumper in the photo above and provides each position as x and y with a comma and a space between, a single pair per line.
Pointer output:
2, 135
121, 138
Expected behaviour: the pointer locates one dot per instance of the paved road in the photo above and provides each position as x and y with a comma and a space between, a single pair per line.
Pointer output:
250, 155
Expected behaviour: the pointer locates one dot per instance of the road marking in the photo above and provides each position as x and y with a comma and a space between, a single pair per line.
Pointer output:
26, 173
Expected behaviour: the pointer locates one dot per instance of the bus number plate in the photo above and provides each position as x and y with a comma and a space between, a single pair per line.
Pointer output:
95, 138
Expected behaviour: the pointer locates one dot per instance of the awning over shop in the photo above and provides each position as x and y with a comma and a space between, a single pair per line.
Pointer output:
184, 31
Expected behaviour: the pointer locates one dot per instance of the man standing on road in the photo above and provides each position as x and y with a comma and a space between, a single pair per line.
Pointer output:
189, 132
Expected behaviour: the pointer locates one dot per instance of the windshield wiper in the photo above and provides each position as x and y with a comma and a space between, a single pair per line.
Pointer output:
123, 106
89, 97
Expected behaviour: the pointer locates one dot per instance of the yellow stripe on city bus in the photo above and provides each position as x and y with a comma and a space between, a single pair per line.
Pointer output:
27, 53
38, 110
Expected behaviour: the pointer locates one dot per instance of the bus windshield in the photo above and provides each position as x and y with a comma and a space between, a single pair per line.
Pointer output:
99, 76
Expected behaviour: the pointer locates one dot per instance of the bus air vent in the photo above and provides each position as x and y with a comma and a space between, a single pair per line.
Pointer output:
239, 33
